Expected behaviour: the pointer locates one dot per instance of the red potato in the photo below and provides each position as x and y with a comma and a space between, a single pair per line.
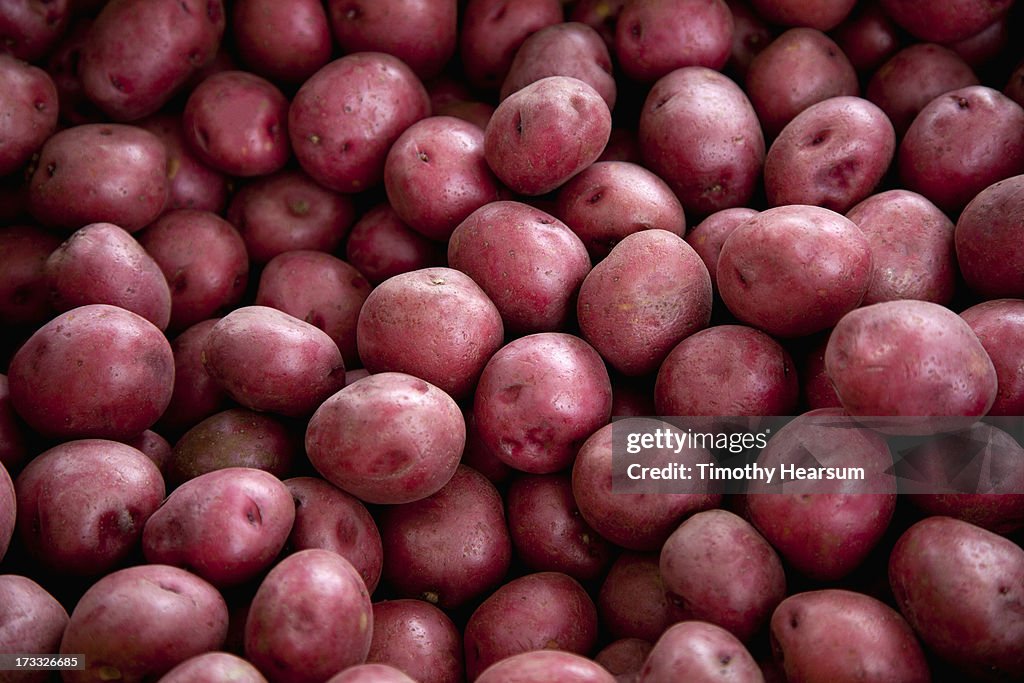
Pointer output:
345, 117
823, 16
326, 517
952, 174
479, 456
8, 510
237, 122
655, 37
545, 666
62, 65
99, 173
794, 270
566, 49
546, 610
816, 387
699, 652
836, 635
490, 32
650, 292
435, 175
284, 42
750, 35
153, 446
472, 111
213, 667
717, 568
1015, 85
624, 658
601, 15
24, 295
310, 618
867, 37
418, 639
947, 22
138, 623
370, 673
380, 246
985, 46
139, 53
320, 289
539, 397
778, 94
32, 622
960, 587
102, 264
436, 324
912, 248
29, 28
192, 183
29, 109
609, 200
996, 322
708, 236
545, 133
449, 548
196, 395
632, 602
389, 438
700, 134
987, 240
13, 435
832, 154
95, 371
82, 505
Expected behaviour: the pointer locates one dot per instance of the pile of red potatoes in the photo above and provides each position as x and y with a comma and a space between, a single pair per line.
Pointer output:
314, 318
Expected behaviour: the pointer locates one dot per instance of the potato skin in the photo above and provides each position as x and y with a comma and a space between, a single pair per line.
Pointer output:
987, 240
946, 22
699, 652
417, 638
32, 622
822, 16
24, 296
285, 42
192, 184
960, 587
838, 635
545, 666
381, 245
196, 395
370, 673
8, 510
29, 28
631, 601
491, 31
213, 667
29, 105
997, 322
708, 236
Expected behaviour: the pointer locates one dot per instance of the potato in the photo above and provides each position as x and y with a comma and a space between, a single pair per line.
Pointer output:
29, 106
727, 370
345, 117
8, 510
545, 666
545, 133
655, 37
138, 623
624, 658
32, 622
909, 358
418, 639
960, 588
213, 667
153, 446
389, 438
832, 154
912, 248
953, 173
62, 65
794, 270
326, 517
436, 174
528, 262
14, 436
599, 15
370, 673
823, 17
24, 296
708, 236
380, 246
196, 395
546, 610
139, 53
310, 618
717, 568
996, 323
82, 505
539, 397
29, 28
204, 260
867, 37
631, 601
700, 134
775, 90
95, 371
698, 651
268, 360
285, 42
609, 200
449, 548
491, 31
192, 184
102, 264
479, 456
948, 22
816, 387
987, 243
63, 192
838, 635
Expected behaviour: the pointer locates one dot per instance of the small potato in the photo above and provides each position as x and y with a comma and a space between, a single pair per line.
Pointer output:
834, 635
545, 666
310, 618
997, 323
601, 15
268, 360
29, 28
131, 162
192, 184
868, 38
631, 602
196, 395
542, 135
418, 639
491, 31
29, 108
389, 438
987, 240
832, 154
32, 622
24, 295
370, 673
382, 246
546, 610
945, 22
285, 42
624, 658
960, 587
213, 667
822, 16
699, 652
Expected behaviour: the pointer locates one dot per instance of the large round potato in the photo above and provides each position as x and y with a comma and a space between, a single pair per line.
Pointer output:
418, 639
997, 323
987, 240
29, 106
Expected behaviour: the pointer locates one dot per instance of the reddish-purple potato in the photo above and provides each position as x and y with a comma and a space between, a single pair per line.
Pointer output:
491, 31
192, 183
1015, 85
631, 601
987, 240
997, 323
370, 673
699, 652
380, 246
545, 666
214, 667
284, 42
29, 28
479, 456
8, 510
624, 658
24, 295
601, 15
196, 395
708, 236
867, 37
816, 387
62, 65
945, 22
14, 448
985, 46
823, 16
28, 100
153, 446
32, 622
418, 639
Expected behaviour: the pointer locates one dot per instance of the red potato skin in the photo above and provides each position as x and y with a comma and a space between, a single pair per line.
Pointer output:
948, 22
213, 667
140, 622
32, 622
601, 15
699, 652
62, 65
14, 449
345, 117
701, 135
987, 240
838, 635
995, 322
867, 37
8, 510
196, 395
547, 610
370, 673
29, 28
418, 639
29, 106
192, 183
24, 296
708, 236
624, 658
61, 379
750, 35
632, 602
122, 72
491, 31
823, 16
285, 42
333, 628
99, 173
327, 517
451, 547
545, 666
153, 446
380, 246
960, 587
